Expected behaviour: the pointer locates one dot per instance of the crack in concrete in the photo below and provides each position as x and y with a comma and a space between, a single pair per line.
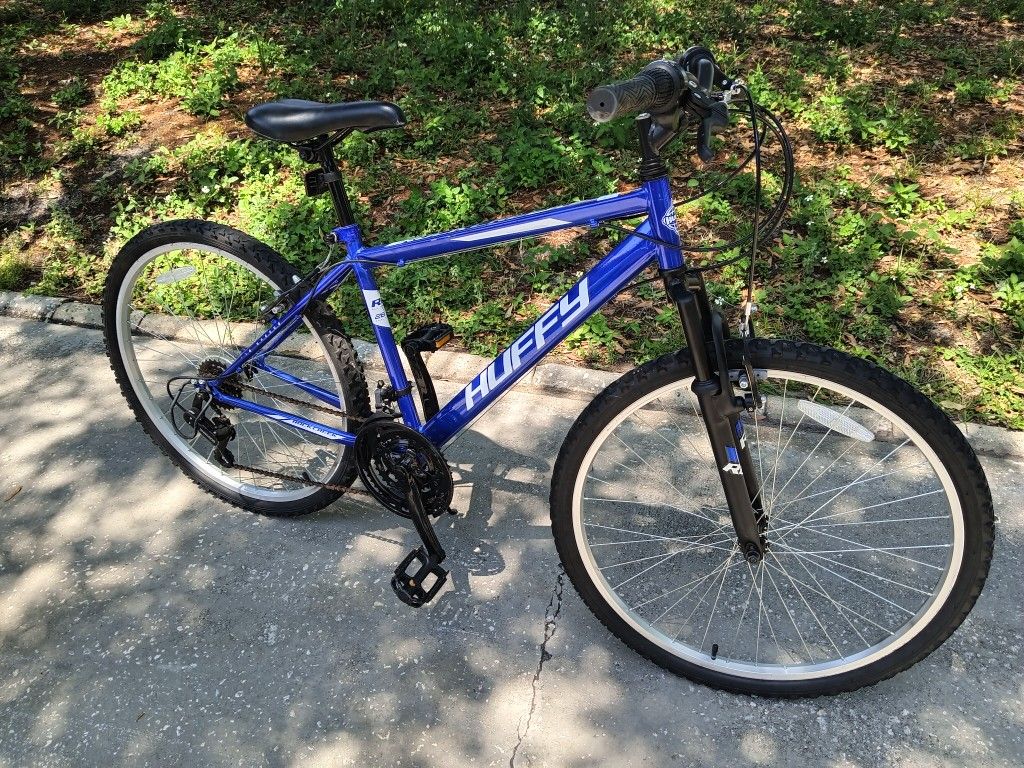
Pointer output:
551, 614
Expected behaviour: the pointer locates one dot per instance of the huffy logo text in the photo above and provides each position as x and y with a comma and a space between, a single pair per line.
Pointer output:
511, 360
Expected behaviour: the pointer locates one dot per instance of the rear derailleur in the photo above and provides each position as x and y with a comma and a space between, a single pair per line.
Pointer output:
203, 417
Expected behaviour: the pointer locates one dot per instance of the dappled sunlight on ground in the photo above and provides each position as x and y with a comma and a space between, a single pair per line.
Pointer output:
144, 622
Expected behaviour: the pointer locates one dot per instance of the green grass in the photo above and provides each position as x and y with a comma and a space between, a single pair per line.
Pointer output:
881, 98
12, 270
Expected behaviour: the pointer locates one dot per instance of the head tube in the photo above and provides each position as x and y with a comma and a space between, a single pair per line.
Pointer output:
662, 212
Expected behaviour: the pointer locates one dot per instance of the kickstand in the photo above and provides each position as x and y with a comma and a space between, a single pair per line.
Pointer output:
419, 586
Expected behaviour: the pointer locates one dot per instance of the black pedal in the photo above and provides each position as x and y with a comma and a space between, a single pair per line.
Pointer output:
419, 586
429, 338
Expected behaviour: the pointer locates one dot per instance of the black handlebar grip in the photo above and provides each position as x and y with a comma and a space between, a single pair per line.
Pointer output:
655, 89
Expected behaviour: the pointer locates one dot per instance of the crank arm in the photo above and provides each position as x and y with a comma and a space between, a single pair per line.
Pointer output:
419, 577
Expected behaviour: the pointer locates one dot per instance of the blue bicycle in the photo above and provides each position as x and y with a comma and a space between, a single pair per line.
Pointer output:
763, 516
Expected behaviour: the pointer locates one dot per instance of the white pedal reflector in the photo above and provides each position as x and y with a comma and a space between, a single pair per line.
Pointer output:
835, 421
174, 275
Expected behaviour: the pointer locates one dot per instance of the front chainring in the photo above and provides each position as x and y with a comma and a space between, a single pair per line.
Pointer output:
388, 453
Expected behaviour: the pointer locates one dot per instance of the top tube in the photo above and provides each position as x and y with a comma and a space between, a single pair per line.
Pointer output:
584, 213
600, 284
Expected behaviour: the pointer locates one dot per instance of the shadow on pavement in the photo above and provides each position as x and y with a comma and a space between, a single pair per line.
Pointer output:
143, 622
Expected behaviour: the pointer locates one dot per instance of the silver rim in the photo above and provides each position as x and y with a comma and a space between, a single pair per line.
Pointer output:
866, 532
160, 335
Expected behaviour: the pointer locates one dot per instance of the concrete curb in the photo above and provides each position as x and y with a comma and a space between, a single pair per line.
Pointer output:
460, 367
28, 307
456, 367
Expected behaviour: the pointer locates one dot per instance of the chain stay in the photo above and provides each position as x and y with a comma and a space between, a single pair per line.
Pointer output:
295, 478
346, 489
303, 403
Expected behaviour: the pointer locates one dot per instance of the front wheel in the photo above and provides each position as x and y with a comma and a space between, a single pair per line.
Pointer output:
879, 532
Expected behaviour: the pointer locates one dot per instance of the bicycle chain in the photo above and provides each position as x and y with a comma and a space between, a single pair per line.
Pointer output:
346, 489
296, 401
294, 478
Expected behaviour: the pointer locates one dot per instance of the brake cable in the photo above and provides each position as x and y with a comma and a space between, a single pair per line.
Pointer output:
774, 218
747, 328
746, 324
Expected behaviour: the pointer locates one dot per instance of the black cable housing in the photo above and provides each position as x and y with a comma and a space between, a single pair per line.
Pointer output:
762, 229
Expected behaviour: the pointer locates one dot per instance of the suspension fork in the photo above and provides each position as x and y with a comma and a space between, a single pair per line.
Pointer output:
720, 409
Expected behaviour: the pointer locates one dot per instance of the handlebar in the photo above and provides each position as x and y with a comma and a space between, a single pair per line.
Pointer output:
655, 89
666, 89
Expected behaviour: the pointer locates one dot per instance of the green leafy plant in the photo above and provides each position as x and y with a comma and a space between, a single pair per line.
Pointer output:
874, 253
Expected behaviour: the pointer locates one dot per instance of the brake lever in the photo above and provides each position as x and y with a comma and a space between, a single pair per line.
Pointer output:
691, 62
716, 119
702, 74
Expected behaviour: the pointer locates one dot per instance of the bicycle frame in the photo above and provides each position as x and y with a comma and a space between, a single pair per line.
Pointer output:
607, 278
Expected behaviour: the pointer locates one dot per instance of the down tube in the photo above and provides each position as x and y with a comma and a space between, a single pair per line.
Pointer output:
587, 296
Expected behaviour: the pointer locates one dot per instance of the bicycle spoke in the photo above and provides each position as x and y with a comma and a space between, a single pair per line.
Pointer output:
209, 318
663, 504
682, 433
865, 548
900, 500
866, 573
746, 603
638, 533
659, 479
816, 563
720, 571
858, 538
789, 613
841, 609
879, 522
724, 565
811, 453
814, 614
711, 616
778, 443
846, 487
693, 546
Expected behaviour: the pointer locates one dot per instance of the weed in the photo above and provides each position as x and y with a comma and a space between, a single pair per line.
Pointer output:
904, 199
74, 93
493, 94
200, 75
120, 23
14, 264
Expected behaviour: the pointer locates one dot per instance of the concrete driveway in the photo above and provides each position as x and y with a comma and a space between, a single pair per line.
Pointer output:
143, 622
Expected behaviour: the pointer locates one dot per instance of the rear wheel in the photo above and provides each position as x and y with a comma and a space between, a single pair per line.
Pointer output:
880, 524
182, 300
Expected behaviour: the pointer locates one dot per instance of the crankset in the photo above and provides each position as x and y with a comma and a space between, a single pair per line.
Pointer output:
388, 453
406, 473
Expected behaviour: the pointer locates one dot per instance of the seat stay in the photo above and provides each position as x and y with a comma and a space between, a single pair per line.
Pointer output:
281, 328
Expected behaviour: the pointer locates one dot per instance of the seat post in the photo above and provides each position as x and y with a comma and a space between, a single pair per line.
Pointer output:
335, 185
